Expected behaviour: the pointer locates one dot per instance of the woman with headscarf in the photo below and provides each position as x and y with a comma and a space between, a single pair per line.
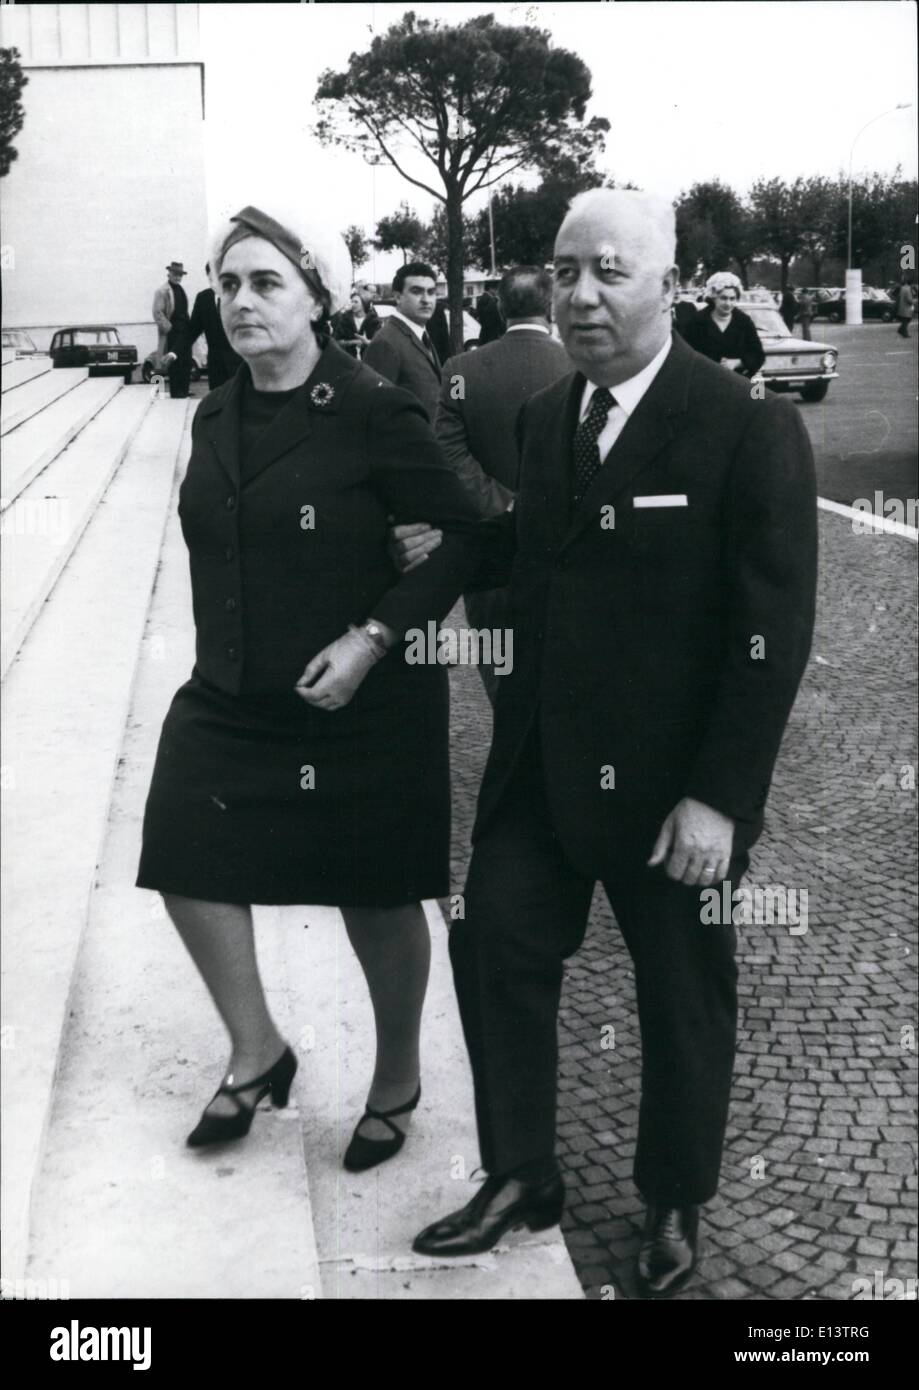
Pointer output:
355, 326
305, 761
723, 332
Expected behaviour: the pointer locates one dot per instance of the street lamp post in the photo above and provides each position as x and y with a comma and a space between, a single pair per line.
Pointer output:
854, 277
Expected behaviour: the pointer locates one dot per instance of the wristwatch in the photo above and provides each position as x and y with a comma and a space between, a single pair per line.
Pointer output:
374, 634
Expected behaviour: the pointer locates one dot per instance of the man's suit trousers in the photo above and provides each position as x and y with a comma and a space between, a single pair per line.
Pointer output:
526, 912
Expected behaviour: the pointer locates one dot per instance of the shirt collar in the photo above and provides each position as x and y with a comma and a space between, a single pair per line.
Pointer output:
530, 328
629, 393
417, 328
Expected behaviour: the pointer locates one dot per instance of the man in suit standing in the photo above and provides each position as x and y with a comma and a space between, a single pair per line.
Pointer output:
480, 398
170, 314
684, 313
663, 555
222, 361
402, 351
488, 313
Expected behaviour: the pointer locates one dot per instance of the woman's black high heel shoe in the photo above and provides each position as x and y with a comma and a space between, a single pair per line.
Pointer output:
364, 1153
216, 1129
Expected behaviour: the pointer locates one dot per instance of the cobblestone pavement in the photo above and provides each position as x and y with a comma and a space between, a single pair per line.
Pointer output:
819, 1180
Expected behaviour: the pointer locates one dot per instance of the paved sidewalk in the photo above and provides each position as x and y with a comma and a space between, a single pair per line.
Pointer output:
818, 1183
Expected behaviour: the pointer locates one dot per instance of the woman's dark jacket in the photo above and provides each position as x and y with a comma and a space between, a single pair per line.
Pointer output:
345, 328
282, 562
740, 339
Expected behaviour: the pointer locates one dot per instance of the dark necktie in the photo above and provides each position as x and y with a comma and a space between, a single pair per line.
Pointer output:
429, 348
585, 449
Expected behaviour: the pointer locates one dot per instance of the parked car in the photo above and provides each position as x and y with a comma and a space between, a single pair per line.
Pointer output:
18, 341
96, 346
792, 364
150, 366
831, 304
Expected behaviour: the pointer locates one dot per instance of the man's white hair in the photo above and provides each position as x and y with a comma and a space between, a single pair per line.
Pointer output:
653, 214
325, 248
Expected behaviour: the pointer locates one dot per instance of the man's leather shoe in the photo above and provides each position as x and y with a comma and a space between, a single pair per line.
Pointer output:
500, 1203
667, 1256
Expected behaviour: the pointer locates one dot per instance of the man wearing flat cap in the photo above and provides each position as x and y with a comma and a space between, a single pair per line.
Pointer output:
170, 313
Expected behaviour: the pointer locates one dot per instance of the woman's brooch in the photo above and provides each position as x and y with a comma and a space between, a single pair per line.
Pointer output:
322, 394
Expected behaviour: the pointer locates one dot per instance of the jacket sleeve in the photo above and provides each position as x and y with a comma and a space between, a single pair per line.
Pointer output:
753, 356
489, 497
160, 317
772, 568
416, 482
196, 322
383, 357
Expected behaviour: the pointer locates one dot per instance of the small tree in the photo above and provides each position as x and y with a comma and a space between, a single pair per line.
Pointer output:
356, 243
12, 81
457, 108
713, 229
402, 231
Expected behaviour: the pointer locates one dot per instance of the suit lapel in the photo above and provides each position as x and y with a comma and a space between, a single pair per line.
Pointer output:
651, 426
416, 344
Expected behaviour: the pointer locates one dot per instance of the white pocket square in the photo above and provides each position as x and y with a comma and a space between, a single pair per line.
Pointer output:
662, 499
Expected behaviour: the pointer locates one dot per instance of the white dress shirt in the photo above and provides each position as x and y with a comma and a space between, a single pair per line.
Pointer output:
627, 394
530, 327
418, 329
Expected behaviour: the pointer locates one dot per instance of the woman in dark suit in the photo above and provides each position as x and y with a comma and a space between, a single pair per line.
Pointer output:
355, 327
305, 761
723, 332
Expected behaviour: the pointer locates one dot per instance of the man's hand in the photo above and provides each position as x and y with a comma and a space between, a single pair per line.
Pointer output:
694, 844
333, 676
409, 546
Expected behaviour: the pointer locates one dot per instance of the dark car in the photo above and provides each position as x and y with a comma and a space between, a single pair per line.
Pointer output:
831, 304
792, 364
96, 346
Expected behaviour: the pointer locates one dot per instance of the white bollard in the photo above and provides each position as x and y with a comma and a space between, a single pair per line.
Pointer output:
853, 296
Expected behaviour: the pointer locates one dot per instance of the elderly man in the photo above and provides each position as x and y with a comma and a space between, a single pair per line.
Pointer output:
662, 556
170, 314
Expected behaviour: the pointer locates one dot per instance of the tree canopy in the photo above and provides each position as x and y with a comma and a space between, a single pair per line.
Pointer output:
12, 81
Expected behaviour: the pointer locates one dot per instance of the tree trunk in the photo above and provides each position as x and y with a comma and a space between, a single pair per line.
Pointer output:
455, 267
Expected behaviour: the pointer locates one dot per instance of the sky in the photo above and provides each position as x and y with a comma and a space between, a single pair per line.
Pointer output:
693, 90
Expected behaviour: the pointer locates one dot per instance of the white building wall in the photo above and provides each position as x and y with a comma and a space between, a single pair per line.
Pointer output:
109, 181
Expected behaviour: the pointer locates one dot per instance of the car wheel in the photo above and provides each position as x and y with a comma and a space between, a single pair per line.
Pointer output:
128, 377
887, 316
837, 315
195, 371
147, 373
815, 391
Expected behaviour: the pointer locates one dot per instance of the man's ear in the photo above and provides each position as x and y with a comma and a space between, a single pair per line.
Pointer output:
670, 285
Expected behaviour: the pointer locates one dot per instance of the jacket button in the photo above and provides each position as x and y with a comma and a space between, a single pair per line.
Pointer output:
230, 552
230, 605
231, 502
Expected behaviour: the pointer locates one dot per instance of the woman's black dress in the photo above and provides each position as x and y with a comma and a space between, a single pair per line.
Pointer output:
257, 797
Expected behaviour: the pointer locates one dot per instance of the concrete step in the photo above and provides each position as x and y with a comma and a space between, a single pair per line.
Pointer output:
143, 1054
65, 702
34, 396
365, 1222
43, 525
23, 369
31, 446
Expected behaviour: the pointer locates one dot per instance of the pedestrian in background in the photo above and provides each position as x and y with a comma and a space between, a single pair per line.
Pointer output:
806, 313
170, 314
788, 308
402, 351
476, 424
354, 327
904, 302
488, 313
724, 333
222, 361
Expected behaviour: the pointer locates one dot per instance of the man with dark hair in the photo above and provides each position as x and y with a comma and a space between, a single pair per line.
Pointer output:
480, 398
402, 351
170, 314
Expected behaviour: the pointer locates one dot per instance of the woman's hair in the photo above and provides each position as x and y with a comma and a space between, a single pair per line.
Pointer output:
722, 280
319, 255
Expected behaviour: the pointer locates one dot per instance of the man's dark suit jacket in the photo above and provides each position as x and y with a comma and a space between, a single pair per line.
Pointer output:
397, 354
684, 314
222, 361
669, 648
480, 398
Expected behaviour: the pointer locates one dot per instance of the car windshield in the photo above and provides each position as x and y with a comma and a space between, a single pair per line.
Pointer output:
91, 337
767, 320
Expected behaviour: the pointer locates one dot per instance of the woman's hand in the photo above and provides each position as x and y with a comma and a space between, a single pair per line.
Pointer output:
334, 675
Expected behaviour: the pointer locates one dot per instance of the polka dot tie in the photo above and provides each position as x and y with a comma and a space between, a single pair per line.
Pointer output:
585, 449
